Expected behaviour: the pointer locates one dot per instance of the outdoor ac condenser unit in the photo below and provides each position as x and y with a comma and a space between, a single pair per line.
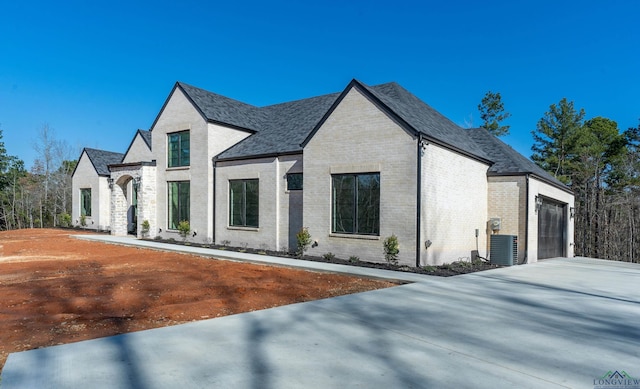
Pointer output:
504, 250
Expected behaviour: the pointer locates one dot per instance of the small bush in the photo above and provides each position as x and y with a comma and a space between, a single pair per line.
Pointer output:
225, 243
391, 249
146, 226
354, 259
83, 220
303, 238
65, 220
184, 228
329, 256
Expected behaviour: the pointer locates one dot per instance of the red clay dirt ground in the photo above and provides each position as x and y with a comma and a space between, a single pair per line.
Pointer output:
55, 289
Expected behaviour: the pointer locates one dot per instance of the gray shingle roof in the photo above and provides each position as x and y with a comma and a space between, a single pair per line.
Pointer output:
221, 109
508, 161
283, 127
146, 136
424, 119
101, 160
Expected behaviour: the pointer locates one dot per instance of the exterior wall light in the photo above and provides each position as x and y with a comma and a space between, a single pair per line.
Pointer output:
110, 182
538, 203
572, 212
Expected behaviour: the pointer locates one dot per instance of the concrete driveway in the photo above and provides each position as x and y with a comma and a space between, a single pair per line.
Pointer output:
558, 323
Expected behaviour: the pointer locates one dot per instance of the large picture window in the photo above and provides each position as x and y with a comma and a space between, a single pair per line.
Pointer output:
179, 149
243, 203
85, 202
179, 199
356, 203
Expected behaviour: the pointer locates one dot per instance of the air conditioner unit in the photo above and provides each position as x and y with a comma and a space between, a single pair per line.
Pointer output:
504, 250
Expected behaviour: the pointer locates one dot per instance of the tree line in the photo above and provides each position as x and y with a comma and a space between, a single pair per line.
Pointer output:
39, 197
599, 162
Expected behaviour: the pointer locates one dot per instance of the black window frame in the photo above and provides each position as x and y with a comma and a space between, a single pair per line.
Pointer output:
180, 154
241, 212
85, 202
182, 211
348, 196
295, 181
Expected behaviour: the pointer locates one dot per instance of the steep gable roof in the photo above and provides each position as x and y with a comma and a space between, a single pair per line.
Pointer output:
146, 136
101, 159
425, 120
283, 128
507, 161
220, 109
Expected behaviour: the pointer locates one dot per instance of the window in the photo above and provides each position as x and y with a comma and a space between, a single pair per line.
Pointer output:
294, 181
179, 147
178, 203
85, 202
356, 204
243, 203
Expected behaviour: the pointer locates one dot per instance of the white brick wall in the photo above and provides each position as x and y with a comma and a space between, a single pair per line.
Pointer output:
85, 176
359, 138
538, 187
280, 211
138, 151
454, 205
206, 141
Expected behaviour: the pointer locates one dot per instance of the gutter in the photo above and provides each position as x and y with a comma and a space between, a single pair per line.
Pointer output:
214, 160
419, 197
526, 224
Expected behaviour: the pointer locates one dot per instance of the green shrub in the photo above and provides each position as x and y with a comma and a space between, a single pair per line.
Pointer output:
354, 259
83, 220
303, 238
146, 226
65, 220
184, 228
391, 249
329, 256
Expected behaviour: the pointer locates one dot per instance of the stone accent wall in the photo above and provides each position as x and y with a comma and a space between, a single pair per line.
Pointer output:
121, 197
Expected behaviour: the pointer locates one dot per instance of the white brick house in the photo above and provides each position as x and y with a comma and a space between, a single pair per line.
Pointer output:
354, 167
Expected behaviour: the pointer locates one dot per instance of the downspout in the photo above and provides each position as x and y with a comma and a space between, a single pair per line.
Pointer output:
419, 198
213, 227
526, 224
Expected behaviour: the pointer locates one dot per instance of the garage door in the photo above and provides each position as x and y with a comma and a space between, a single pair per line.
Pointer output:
551, 229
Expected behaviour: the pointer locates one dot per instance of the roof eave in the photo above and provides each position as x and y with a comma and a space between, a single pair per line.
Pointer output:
546, 180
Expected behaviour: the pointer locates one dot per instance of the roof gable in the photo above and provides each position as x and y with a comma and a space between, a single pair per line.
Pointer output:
220, 109
101, 159
508, 161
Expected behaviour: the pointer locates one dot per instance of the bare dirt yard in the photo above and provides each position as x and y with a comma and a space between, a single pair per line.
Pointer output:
55, 289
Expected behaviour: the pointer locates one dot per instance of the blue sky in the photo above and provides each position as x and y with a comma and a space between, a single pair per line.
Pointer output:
96, 71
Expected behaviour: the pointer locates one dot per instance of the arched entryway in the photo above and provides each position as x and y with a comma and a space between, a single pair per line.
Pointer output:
133, 199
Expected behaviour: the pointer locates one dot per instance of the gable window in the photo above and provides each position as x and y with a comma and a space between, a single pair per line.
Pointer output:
85, 202
294, 181
179, 203
179, 149
243, 203
356, 204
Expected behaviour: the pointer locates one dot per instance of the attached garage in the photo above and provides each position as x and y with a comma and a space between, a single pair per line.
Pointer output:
552, 227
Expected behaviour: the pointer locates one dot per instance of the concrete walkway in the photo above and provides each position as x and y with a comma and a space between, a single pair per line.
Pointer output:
558, 323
